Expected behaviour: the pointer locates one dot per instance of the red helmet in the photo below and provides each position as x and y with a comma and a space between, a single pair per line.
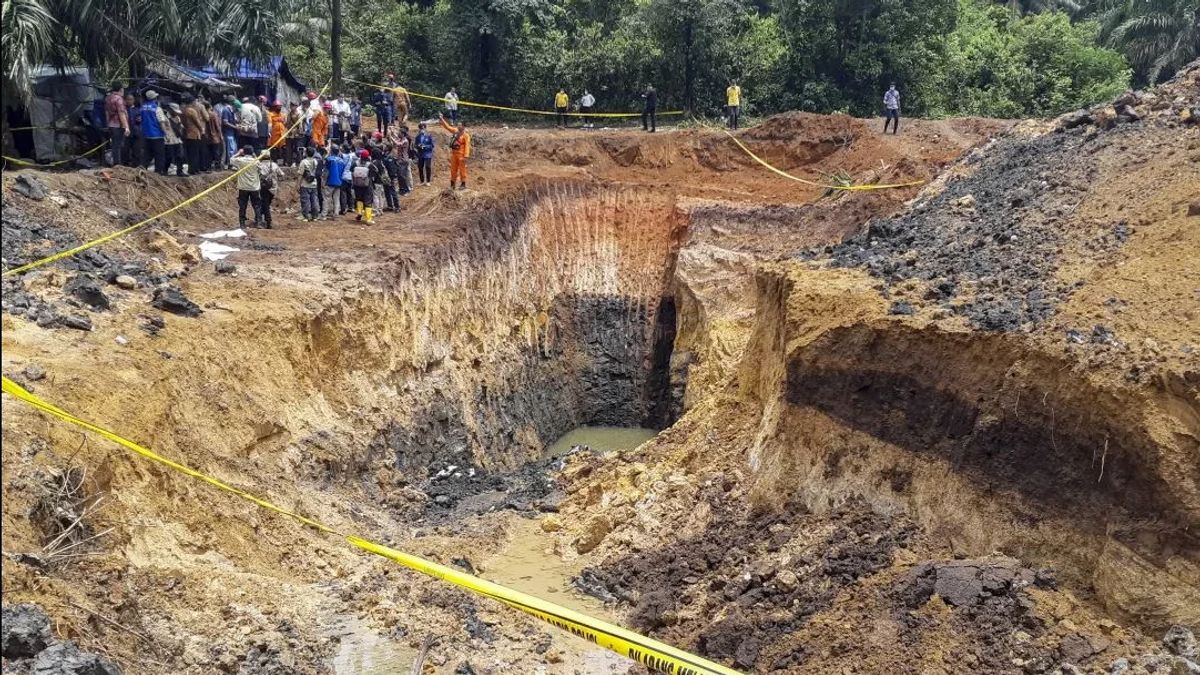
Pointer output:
378, 135
312, 95
276, 104
328, 106
364, 154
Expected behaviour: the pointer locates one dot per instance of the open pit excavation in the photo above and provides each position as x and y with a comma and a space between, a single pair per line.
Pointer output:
940, 429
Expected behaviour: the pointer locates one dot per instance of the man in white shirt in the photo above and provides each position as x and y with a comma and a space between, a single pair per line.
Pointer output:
452, 105
340, 122
586, 103
249, 117
249, 183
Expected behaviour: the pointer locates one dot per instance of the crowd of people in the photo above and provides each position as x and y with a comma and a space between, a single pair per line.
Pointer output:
342, 167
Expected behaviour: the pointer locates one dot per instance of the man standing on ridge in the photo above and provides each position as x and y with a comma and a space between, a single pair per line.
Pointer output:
117, 117
452, 104
649, 109
733, 103
891, 105
382, 102
460, 150
561, 100
586, 103
401, 102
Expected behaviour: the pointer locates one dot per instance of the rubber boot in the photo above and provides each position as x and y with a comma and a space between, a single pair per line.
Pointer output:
370, 215
358, 208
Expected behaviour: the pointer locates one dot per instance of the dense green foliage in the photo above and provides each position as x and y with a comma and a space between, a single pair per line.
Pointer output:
118, 36
1039, 64
992, 57
947, 56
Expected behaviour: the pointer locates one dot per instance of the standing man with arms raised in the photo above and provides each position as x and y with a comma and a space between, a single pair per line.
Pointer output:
460, 151
733, 103
891, 105
117, 118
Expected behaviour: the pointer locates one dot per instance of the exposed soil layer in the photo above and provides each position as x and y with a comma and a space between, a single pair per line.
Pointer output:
836, 479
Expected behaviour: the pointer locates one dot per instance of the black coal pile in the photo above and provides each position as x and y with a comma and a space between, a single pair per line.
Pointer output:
988, 246
30, 647
91, 273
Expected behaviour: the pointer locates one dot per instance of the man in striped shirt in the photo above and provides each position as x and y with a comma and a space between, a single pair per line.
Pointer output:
891, 104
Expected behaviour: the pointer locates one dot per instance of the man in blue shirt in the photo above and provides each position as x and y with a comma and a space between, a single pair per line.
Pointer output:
383, 110
152, 131
335, 166
424, 145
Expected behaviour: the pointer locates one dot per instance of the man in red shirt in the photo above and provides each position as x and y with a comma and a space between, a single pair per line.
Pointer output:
118, 121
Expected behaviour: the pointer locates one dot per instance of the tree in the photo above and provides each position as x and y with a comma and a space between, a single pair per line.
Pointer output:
698, 40
843, 53
1040, 64
1157, 36
102, 33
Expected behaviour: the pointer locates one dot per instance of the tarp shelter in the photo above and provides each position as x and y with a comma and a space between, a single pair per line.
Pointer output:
271, 78
60, 99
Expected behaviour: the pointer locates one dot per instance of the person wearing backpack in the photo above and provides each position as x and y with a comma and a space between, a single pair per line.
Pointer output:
269, 176
308, 185
363, 179
347, 179
390, 176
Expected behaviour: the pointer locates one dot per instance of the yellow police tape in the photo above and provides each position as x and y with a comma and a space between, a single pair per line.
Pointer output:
651, 653
22, 162
500, 107
785, 174
122, 232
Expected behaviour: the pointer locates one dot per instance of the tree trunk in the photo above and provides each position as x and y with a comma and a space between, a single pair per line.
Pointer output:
335, 43
688, 67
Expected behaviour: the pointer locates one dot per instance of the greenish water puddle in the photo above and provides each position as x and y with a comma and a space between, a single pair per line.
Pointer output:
601, 439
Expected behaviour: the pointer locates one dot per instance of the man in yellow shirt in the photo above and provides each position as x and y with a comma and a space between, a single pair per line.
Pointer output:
733, 103
561, 100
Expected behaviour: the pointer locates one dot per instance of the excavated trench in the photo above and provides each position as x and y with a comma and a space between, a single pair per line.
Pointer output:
552, 313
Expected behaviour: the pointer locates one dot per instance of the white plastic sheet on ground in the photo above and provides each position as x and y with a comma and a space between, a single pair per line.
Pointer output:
221, 234
211, 250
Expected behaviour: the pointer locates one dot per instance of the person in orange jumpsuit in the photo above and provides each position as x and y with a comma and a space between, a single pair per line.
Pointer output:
320, 126
278, 127
460, 150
